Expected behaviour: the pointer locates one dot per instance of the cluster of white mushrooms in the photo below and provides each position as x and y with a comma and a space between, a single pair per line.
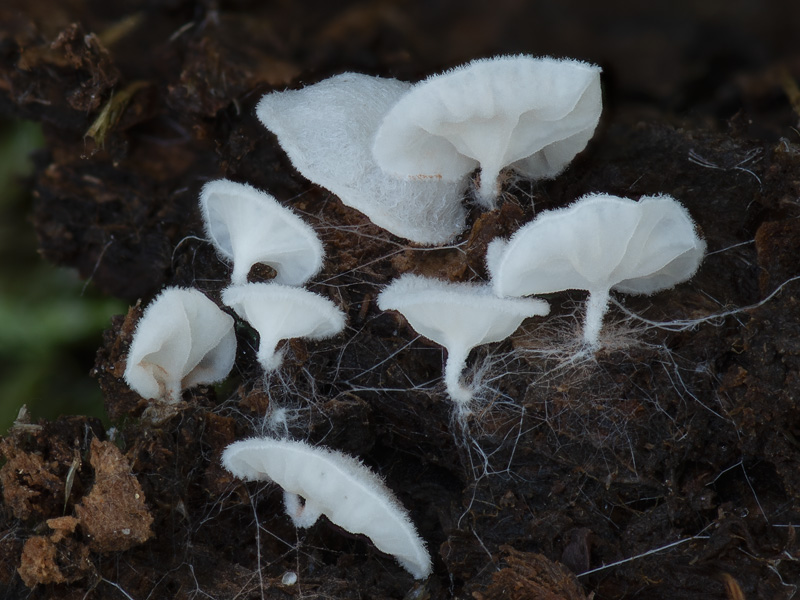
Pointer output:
402, 155
184, 339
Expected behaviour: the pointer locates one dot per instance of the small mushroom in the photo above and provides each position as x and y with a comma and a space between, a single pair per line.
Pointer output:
248, 226
533, 114
599, 243
337, 486
458, 316
183, 339
327, 130
280, 312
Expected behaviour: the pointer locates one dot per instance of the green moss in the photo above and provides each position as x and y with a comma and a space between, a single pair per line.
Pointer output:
50, 326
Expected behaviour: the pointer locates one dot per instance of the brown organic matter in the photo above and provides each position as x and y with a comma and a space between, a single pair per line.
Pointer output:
529, 575
666, 466
56, 558
113, 515
27, 480
38, 562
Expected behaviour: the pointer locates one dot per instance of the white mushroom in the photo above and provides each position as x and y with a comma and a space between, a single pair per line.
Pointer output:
248, 226
533, 114
183, 339
458, 316
337, 486
599, 243
327, 130
280, 312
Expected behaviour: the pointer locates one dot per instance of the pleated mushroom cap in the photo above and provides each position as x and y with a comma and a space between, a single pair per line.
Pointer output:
183, 339
280, 312
248, 226
599, 242
533, 114
327, 129
337, 486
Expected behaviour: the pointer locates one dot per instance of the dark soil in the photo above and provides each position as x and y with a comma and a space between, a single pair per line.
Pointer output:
677, 448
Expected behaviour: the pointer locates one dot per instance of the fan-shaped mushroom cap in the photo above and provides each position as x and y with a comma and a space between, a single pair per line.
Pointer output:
337, 486
534, 114
599, 243
327, 130
459, 316
183, 339
281, 312
248, 226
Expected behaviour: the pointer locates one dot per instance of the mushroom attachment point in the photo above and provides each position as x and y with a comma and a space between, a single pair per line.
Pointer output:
458, 316
281, 312
599, 243
532, 114
335, 485
183, 339
248, 226
327, 130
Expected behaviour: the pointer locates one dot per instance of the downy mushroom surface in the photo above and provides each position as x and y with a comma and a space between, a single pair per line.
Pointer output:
183, 339
337, 486
532, 114
327, 129
458, 316
599, 243
248, 226
281, 312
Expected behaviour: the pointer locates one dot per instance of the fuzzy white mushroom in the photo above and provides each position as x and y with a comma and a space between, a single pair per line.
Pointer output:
533, 114
183, 339
281, 312
458, 316
248, 226
599, 243
337, 486
327, 130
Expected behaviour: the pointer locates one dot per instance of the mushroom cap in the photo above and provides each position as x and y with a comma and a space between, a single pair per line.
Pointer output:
183, 339
338, 486
600, 242
535, 114
458, 316
280, 312
327, 130
248, 226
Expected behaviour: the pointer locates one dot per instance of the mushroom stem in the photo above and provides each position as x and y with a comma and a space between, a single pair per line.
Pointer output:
269, 356
456, 359
169, 387
241, 270
596, 307
487, 191
173, 393
302, 512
